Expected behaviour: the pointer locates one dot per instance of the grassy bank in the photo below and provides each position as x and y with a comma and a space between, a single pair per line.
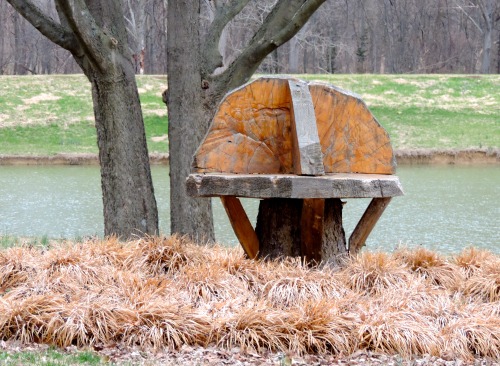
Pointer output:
45, 115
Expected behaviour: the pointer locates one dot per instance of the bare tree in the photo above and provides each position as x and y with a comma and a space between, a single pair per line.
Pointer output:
95, 34
424, 36
195, 88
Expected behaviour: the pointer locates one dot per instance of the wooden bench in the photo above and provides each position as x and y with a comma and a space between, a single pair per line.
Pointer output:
299, 147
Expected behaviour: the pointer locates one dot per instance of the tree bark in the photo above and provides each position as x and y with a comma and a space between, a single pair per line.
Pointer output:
128, 195
188, 117
127, 188
279, 230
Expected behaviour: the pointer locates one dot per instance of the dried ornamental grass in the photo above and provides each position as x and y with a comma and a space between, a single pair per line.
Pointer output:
473, 336
431, 266
158, 293
472, 259
15, 267
484, 283
399, 332
320, 327
373, 273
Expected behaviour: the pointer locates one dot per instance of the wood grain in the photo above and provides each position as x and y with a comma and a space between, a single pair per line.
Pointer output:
367, 223
351, 138
252, 132
337, 185
306, 148
241, 225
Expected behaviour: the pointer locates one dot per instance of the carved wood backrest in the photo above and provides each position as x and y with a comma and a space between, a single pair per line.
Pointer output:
279, 125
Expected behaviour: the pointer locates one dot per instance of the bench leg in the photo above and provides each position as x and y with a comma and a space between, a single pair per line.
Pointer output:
367, 223
312, 222
241, 225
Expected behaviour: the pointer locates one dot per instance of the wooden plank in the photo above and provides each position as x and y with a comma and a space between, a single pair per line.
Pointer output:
241, 225
339, 185
312, 221
367, 223
306, 148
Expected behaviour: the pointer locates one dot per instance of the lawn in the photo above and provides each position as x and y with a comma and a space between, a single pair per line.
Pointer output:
45, 115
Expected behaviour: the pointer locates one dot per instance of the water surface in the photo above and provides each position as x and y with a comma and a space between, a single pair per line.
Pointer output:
445, 208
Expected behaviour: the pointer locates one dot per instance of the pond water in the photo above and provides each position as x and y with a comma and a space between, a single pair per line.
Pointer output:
445, 208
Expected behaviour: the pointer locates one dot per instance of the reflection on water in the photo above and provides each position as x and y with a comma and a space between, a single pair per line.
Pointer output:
445, 208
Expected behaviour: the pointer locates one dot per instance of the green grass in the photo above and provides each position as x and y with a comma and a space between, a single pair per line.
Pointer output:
8, 241
45, 115
430, 111
49, 357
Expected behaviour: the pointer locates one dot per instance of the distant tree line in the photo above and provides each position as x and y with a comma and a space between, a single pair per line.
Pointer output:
361, 36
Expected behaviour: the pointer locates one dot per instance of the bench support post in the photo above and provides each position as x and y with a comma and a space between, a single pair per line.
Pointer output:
307, 228
367, 223
312, 228
241, 225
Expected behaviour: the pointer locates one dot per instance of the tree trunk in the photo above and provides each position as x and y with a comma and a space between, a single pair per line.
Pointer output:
279, 230
127, 188
188, 117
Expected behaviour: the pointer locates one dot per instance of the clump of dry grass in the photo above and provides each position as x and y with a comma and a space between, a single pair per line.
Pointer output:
432, 266
473, 336
163, 292
472, 259
15, 267
372, 273
485, 282
400, 332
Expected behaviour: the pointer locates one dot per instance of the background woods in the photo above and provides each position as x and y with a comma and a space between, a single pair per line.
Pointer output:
383, 36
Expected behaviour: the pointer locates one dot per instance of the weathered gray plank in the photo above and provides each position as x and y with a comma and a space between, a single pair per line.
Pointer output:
307, 155
337, 185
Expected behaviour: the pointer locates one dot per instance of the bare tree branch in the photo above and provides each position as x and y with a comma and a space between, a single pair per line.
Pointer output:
54, 31
469, 17
486, 12
281, 24
224, 13
85, 28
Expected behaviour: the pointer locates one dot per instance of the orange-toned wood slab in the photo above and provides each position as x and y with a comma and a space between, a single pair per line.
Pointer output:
250, 132
241, 225
351, 138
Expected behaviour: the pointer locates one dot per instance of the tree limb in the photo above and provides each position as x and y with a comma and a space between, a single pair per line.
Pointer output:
470, 18
282, 23
487, 13
86, 29
224, 13
54, 31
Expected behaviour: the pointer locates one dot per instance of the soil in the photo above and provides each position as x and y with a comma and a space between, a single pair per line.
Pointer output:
403, 157
210, 356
